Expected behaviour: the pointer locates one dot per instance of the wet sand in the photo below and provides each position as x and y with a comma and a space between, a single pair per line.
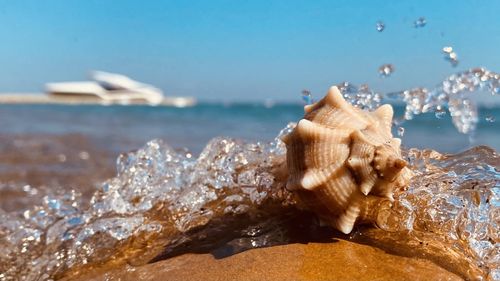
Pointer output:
75, 162
339, 260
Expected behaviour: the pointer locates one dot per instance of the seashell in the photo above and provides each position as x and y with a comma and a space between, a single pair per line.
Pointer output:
343, 162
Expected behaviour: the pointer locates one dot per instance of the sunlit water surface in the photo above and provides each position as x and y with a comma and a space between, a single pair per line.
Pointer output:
165, 199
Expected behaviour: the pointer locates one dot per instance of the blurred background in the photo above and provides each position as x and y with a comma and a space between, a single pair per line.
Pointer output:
244, 50
243, 64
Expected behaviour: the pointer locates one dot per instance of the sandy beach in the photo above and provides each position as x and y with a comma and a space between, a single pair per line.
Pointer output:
337, 260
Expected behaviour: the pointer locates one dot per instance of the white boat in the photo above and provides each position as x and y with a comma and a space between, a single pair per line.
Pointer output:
104, 89
107, 88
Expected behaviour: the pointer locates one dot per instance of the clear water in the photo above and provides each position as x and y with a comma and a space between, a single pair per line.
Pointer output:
164, 200
161, 199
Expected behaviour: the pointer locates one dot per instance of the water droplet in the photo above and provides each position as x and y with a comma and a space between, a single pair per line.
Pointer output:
447, 49
75, 221
450, 55
84, 155
61, 158
440, 113
420, 22
362, 96
307, 97
380, 26
401, 131
54, 204
490, 118
386, 70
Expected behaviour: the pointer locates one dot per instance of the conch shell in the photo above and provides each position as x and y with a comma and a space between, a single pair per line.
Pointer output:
343, 162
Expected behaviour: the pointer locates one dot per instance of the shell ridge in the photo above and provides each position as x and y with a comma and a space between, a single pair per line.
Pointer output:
385, 114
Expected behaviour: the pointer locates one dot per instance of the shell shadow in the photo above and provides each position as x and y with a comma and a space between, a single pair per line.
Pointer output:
229, 235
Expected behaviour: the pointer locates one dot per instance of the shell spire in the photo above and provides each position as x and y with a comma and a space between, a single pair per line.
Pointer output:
343, 162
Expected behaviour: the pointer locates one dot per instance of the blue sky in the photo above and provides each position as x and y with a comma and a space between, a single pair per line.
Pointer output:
243, 50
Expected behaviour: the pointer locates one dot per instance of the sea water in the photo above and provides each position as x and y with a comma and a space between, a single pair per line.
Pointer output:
122, 128
164, 199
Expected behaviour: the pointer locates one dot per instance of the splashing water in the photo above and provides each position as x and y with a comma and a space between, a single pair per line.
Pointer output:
157, 198
452, 94
362, 97
490, 119
401, 131
440, 113
452, 206
307, 97
386, 70
420, 22
163, 199
380, 26
450, 56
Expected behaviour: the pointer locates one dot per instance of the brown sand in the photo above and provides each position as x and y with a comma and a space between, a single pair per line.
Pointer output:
339, 260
